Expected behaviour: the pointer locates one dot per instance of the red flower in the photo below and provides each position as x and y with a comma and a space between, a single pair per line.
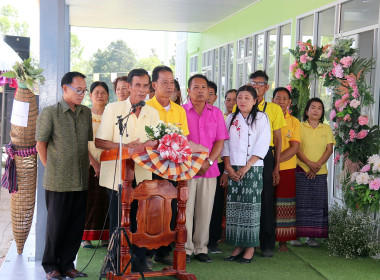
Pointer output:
174, 147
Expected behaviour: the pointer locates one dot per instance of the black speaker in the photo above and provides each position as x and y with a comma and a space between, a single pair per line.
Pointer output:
19, 44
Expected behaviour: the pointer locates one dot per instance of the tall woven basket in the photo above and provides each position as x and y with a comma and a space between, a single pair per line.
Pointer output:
23, 201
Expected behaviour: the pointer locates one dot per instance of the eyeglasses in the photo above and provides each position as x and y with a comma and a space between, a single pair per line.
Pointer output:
85, 91
258, 83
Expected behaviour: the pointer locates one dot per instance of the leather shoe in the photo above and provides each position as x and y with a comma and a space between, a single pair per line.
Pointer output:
203, 258
188, 258
244, 260
73, 273
234, 258
53, 275
167, 260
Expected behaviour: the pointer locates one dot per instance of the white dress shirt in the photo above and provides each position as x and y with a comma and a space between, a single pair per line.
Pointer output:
247, 139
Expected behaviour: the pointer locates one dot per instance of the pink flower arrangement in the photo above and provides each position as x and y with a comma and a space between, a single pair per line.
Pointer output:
352, 83
332, 114
340, 104
299, 73
362, 134
363, 120
302, 46
374, 184
305, 58
352, 134
366, 168
337, 70
346, 61
174, 147
354, 103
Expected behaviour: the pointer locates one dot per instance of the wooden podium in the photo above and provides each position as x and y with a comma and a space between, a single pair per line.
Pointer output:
153, 217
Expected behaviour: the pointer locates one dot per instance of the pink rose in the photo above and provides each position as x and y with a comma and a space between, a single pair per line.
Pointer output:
302, 46
363, 120
336, 159
374, 184
293, 66
337, 70
303, 58
353, 135
289, 88
332, 114
366, 168
346, 61
346, 96
299, 73
362, 134
347, 117
354, 103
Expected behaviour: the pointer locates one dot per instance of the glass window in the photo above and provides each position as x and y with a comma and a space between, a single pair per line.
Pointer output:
271, 65
259, 52
326, 27
249, 48
230, 65
359, 13
194, 64
216, 66
223, 80
286, 42
240, 74
241, 48
306, 28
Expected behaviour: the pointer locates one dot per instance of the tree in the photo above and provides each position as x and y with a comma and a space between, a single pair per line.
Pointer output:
150, 62
9, 23
76, 60
117, 57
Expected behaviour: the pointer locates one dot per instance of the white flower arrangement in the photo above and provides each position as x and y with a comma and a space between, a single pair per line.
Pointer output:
161, 129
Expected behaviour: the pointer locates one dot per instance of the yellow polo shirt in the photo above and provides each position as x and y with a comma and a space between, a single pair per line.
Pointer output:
314, 142
290, 133
136, 130
176, 114
275, 115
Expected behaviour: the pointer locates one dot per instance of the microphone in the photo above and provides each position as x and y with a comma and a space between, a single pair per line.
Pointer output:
139, 104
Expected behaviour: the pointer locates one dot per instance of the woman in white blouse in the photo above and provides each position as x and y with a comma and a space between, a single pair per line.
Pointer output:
243, 154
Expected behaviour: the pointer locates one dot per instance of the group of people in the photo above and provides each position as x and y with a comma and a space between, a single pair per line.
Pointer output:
272, 166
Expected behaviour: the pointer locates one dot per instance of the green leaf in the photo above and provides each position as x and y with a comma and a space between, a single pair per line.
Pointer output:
9, 74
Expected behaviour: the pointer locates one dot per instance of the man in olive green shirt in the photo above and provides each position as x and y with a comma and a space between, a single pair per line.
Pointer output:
63, 132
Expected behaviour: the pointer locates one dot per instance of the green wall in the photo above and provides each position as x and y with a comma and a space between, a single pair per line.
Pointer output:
259, 16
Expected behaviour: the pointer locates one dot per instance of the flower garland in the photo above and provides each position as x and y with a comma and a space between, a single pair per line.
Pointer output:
344, 73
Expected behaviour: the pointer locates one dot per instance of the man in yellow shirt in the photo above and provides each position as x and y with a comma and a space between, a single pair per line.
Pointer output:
170, 112
271, 172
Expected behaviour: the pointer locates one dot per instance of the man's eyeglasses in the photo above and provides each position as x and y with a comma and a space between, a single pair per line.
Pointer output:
85, 91
258, 83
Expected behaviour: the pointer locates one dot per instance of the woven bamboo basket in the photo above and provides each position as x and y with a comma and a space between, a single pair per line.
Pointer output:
22, 202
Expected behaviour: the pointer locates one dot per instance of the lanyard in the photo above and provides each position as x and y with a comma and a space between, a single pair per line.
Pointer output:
265, 106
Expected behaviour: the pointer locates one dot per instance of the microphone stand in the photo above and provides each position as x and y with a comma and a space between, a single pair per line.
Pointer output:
117, 234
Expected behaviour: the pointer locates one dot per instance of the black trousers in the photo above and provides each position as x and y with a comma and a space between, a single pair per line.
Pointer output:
113, 213
267, 225
66, 214
217, 211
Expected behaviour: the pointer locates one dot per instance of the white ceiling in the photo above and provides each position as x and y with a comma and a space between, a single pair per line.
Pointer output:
167, 15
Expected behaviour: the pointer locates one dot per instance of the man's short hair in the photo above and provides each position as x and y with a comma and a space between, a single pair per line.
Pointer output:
139, 72
229, 91
259, 73
121, 78
156, 71
212, 85
69, 76
196, 76
281, 89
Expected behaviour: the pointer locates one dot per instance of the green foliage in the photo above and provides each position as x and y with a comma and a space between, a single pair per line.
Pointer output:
26, 73
77, 62
9, 22
117, 57
349, 232
150, 62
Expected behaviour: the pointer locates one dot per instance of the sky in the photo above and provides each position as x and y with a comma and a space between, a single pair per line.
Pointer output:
93, 39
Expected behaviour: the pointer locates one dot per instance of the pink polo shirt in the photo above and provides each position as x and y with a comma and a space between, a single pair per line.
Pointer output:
206, 129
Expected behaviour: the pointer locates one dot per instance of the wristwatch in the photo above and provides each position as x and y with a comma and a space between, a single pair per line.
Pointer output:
210, 161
